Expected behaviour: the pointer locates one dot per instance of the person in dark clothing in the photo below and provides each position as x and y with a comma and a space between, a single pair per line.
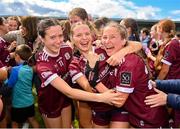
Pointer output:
168, 93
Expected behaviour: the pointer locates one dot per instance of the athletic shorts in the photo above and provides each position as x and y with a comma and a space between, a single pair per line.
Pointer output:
104, 118
55, 113
51, 102
20, 115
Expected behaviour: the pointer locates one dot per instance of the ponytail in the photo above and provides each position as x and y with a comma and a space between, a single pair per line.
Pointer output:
32, 59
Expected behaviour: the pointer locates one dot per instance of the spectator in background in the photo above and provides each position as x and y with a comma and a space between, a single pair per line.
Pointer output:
144, 38
3, 26
98, 25
78, 15
66, 27
177, 36
13, 23
132, 28
153, 49
26, 34
22, 97
154, 43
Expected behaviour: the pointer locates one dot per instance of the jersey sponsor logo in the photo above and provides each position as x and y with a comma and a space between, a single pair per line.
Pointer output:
46, 74
104, 72
67, 55
125, 78
101, 57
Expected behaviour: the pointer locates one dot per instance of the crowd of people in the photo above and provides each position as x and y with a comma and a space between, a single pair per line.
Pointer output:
100, 72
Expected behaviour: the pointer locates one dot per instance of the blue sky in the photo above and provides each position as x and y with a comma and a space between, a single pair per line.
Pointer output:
138, 9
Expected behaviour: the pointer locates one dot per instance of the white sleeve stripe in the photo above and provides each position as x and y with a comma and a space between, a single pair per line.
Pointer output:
52, 77
124, 89
74, 78
166, 62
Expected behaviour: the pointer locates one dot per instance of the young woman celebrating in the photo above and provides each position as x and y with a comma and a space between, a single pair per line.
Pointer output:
52, 68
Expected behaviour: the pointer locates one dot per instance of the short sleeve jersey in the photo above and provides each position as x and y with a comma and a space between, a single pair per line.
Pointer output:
48, 68
78, 65
172, 58
77, 69
132, 77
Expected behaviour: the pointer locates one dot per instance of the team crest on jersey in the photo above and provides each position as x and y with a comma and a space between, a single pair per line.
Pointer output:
126, 78
67, 56
101, 57
46, 74
166, 55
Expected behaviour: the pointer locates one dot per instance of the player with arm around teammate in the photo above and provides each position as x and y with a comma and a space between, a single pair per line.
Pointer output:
131, 80
51, 67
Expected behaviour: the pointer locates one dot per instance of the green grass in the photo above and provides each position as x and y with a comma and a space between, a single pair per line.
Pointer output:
37, 114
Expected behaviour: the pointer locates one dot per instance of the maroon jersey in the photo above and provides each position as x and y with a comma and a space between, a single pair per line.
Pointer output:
132, 77
172, 58
1, 64
77, 69
51, 101
5, 56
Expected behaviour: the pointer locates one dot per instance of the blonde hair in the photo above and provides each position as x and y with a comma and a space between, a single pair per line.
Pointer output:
122, 30
78, 24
